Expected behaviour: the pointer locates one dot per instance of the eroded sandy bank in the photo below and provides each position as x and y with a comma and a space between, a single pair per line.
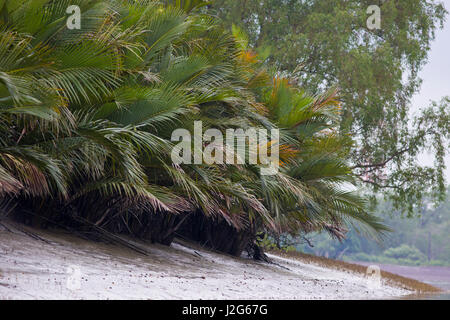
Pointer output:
66, 267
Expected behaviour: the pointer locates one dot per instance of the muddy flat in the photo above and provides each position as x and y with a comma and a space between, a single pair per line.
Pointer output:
49, 265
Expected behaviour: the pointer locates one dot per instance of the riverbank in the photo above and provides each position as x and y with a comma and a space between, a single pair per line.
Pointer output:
436, 276
409, 281
37, 264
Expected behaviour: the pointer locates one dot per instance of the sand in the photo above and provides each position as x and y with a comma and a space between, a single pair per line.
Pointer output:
60, 266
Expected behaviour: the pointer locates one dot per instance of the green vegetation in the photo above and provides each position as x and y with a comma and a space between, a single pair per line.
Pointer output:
87, 115
322, 43
86, 118
419, 241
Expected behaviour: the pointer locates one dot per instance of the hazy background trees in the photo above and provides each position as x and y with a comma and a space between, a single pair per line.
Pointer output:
420, 241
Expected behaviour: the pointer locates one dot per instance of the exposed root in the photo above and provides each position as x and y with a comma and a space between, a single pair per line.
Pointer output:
13, 227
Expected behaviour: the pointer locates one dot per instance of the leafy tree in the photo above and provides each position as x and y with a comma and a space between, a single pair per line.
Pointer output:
328, 43
405, 252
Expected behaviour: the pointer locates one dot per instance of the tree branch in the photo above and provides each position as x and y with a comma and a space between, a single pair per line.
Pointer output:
381, 164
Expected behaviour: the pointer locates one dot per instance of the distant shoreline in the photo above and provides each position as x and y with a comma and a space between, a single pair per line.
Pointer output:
397, 279
438, 276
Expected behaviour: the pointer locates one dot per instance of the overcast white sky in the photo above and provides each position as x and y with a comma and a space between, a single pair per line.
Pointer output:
436, 78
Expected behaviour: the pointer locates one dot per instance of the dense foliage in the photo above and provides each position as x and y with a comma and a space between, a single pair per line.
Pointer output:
87, 116
328, 42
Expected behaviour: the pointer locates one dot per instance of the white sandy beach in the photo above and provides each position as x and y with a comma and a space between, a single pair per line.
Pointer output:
66, 267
